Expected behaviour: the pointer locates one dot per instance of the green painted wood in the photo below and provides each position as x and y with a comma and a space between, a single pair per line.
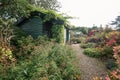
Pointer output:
67, 35
33, 27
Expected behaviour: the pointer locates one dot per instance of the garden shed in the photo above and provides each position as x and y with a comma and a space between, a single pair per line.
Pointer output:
49, 24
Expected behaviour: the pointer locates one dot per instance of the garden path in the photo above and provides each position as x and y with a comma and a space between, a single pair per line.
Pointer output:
89, 67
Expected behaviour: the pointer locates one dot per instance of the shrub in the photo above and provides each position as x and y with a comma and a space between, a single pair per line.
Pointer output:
93, 52
83, 39
65, 59
48, 62
110, 64
6, 34
75, 40
88, 45
24, 46
93, 39
107, 52
6, 56
41, 40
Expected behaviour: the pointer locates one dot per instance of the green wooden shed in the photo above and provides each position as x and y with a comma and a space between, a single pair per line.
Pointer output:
35, 26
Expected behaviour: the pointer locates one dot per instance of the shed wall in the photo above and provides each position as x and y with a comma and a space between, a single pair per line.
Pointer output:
33, 27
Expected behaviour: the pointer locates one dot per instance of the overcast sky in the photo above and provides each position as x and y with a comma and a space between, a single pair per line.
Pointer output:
91, 12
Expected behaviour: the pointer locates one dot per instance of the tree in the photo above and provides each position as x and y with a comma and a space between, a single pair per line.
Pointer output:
10, 11
84, 30
46, 4
14, 8
116, 22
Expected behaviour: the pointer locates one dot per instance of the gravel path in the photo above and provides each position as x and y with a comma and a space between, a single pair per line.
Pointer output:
90, 67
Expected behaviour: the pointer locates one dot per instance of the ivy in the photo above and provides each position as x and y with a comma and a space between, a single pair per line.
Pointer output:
58, 33
48, 14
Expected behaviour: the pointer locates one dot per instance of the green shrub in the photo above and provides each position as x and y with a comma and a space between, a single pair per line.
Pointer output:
41, 40
64, 58
75, 40
107, 52
48, 62
88, 45
111, 64
93, 52
24, 46
83, 39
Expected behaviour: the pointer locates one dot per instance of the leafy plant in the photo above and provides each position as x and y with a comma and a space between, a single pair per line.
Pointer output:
23, 47
92, 52
110, 64
51, 62
107, 52
75, 40
88, 45
6, 33
58, 33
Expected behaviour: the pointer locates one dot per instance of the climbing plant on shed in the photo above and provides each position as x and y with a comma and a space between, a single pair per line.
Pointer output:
58, 33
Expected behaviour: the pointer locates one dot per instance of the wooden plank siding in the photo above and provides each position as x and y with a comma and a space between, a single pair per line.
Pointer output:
33, 27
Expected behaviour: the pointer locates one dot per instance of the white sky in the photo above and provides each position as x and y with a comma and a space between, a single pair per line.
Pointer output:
91, 12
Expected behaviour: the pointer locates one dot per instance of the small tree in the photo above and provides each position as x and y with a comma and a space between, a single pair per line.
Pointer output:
14, 8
